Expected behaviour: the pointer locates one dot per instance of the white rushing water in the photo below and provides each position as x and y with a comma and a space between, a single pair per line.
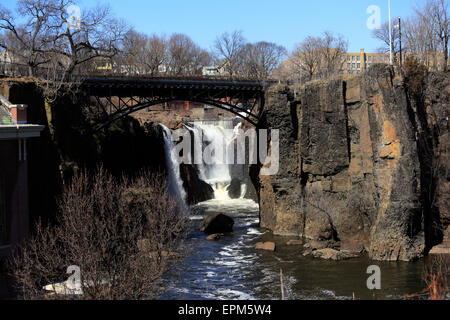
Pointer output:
212, 143
213, 140
175, 183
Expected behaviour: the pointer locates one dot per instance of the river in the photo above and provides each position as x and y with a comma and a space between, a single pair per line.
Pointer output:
231, 269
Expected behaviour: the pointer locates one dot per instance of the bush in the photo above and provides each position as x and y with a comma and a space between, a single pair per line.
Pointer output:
122, 234
435, 276
415, 74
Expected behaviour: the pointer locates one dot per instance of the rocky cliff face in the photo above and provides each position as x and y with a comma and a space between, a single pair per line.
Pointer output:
434, 111
350, 170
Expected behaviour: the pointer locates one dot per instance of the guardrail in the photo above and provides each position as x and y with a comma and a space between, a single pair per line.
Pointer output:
16, 70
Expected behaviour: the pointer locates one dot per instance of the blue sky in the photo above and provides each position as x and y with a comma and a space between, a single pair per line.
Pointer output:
285, 22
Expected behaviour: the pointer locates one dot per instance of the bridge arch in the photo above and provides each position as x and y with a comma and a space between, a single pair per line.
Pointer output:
237, 111
119, 97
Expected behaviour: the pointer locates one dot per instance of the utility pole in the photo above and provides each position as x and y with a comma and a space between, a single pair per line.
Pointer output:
390, 35
400, 35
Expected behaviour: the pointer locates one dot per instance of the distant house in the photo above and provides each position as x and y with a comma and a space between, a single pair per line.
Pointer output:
211, 71
7, 61
102, 64
217, 70
7, 56
14, 134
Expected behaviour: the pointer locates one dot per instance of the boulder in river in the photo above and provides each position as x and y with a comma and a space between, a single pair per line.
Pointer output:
234, 189
331, 254
267, 246
217, 223
197, 190
318, 245
215, 237
294, 243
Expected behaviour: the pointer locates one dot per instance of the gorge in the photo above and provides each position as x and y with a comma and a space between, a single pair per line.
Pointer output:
363, 171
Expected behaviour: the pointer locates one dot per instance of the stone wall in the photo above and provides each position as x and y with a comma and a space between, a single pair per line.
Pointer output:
350, 171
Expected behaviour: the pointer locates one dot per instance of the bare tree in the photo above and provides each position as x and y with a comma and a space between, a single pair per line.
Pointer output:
129, 58
98, 36
332, 49
47, 36
123, 235
306, 58
419, 40
143, 54
318, 57
185, 57
27, 40
202, 58
262, 58
228, 49
382, 34
436, 13
157, 53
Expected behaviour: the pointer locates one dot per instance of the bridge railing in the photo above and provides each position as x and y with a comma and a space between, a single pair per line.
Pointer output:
17, 70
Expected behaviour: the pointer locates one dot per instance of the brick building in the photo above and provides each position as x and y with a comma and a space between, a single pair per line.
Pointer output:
354, 63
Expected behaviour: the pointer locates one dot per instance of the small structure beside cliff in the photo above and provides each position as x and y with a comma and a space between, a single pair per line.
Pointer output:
14, 207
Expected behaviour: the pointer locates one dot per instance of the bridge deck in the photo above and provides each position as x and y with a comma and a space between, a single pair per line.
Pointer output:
121, 86
239, 96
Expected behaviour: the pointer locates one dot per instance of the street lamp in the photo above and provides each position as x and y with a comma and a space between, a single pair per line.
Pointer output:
390, 35
400, 38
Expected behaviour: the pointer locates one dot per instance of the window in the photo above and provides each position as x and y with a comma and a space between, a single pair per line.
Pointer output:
349, 66
353, 58
359, 66
353, 66
358, 58
370, 59
4, 234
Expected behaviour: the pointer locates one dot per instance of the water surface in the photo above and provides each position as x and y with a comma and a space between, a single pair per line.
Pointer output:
232, 269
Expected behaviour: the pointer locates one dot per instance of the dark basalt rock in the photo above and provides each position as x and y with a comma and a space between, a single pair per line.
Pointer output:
217, 223
197, 190
234, 189
355, 155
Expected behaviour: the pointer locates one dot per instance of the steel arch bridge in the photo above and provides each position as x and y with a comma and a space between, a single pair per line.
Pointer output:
121, 96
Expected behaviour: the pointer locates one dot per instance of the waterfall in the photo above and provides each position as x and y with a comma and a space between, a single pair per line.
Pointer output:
212, 141
175, 183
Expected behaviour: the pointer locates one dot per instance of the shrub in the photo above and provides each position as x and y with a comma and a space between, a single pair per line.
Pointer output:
122, 234
415, 74
435, 276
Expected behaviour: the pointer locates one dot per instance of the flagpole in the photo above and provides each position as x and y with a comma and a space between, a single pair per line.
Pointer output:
390, 35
